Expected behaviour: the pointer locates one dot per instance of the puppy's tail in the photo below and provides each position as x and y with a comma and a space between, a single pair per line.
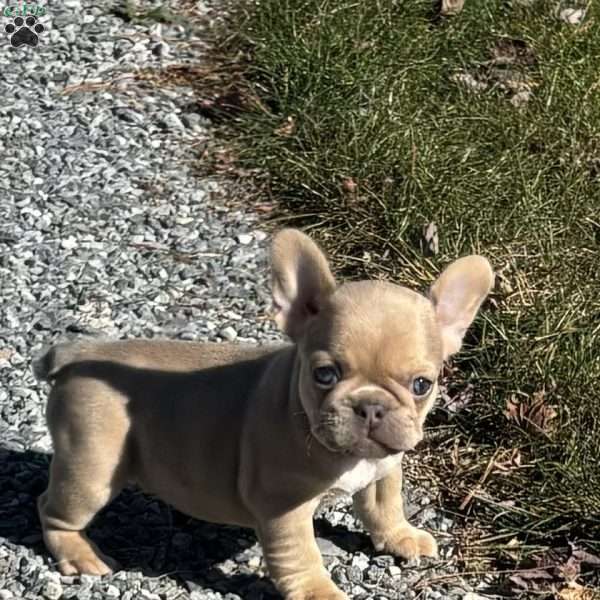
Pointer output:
50, 361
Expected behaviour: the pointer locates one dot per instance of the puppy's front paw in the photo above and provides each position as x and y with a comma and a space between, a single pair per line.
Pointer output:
91, 565
76, 554
408, 542
323, 589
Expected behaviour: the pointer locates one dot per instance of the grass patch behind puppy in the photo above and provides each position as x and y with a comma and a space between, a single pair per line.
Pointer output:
404, 141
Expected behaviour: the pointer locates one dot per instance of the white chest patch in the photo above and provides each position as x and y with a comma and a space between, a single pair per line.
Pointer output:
364, 471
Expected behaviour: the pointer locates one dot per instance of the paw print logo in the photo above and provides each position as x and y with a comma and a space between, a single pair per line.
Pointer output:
24, 31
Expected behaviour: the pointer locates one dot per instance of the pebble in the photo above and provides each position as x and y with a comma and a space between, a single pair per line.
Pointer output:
52, 590
228, 333
192, 120
112, 591
360, 560
244, 238
394, 571
171, 121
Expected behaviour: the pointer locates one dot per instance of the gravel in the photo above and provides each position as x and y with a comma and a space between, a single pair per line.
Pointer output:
106, 228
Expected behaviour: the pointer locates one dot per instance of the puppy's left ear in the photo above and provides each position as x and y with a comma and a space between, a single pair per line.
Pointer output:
457, 295
302, 281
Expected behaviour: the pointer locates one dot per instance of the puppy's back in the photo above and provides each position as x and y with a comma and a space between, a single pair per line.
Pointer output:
173, 356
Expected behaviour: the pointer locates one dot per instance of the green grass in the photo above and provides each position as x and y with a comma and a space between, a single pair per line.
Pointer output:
368, 86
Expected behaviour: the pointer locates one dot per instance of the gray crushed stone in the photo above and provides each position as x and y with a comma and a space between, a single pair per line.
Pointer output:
106, 228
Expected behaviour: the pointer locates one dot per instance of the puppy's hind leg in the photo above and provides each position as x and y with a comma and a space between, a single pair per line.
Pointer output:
87, 472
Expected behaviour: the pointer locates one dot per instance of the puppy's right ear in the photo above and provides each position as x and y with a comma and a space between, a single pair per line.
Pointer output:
301, 282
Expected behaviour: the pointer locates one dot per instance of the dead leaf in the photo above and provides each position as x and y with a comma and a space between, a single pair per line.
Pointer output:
572, 16
520, 99
510, 460
512, 51
575, 591
287, 128
512, 80
512, 409
456, 403
532, 414
541, 414
265, 208
468, 81
349, 185
587, 558
570, 570
504, 283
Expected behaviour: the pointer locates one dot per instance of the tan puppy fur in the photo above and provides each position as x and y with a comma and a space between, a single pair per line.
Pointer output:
256, 436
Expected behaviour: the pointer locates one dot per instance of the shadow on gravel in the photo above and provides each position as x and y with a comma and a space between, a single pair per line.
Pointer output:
139, 531
349, 541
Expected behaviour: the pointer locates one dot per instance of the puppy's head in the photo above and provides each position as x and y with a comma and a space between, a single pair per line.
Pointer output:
370, 351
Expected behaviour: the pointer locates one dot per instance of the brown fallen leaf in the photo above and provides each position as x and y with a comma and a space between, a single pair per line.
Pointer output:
349, 185
570, 570
532, 414
575, 591
512, 51
531, 580
587, 558
287, 128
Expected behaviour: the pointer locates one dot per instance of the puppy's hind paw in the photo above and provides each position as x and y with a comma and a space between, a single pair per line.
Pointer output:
409, 543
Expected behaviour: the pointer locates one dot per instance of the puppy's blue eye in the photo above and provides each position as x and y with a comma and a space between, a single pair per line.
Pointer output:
421, 386
326, 376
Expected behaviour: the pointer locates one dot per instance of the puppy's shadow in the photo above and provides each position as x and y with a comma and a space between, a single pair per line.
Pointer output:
140, 532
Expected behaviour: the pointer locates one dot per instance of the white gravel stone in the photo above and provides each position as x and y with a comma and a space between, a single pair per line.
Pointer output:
52, 590
245, 239
360, 560
112, 591
229, 333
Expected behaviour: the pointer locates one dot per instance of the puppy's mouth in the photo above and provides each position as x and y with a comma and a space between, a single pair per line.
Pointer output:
390, 449
363, 444
393, 444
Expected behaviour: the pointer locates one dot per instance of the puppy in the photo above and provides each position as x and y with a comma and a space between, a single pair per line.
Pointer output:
257, 436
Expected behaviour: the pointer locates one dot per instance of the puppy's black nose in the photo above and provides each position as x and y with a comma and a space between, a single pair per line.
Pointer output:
371, 413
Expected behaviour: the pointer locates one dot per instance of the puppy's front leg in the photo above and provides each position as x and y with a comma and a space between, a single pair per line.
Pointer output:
379, 506
293, 557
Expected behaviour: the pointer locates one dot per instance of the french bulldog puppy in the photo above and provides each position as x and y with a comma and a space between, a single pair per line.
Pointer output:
256, 436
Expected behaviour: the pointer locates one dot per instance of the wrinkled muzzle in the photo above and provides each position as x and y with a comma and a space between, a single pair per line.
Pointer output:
367, 425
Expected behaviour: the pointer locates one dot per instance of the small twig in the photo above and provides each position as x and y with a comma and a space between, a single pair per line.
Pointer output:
438, 578
469, 497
